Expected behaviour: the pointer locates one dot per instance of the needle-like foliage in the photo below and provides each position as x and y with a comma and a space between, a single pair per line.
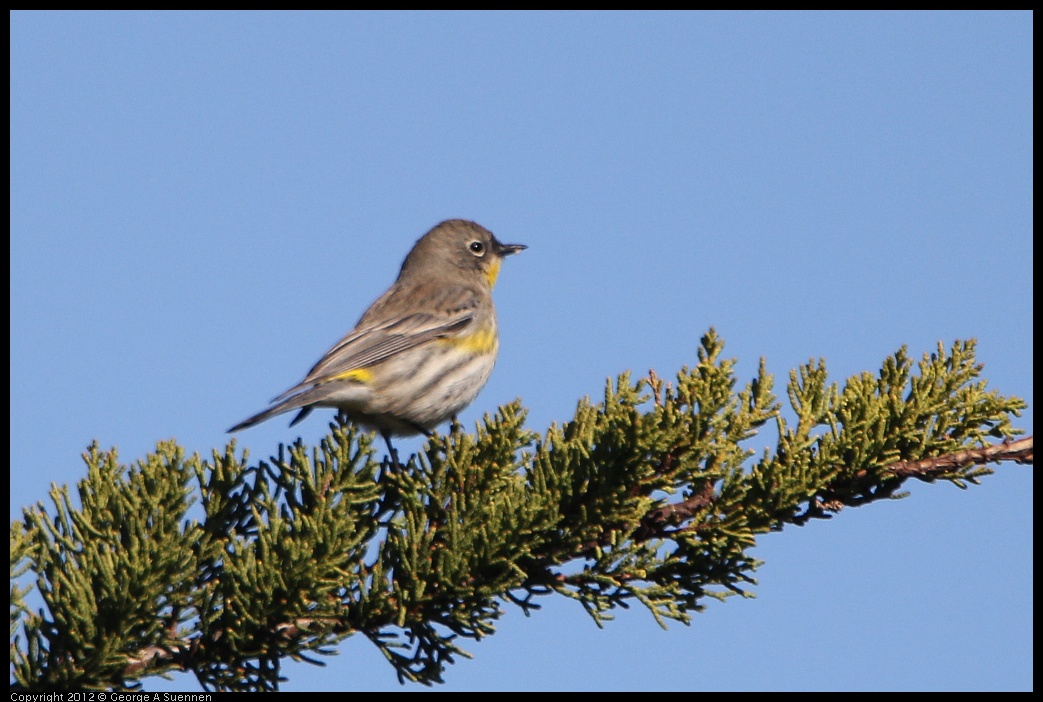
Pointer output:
650, 496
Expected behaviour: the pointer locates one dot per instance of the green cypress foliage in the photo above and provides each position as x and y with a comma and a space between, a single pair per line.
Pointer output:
225, 568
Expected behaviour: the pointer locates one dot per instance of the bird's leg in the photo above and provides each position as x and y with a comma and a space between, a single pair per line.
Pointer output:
391, 449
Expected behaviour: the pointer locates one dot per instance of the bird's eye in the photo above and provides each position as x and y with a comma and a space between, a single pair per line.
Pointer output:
477, 248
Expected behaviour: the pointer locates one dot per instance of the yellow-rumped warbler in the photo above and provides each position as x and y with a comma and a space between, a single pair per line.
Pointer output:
420, 353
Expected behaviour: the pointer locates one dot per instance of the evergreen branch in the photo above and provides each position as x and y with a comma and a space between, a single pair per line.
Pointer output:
840, 494
649, 496
659, 523
188, 655
656, 523
930, 468
156, 657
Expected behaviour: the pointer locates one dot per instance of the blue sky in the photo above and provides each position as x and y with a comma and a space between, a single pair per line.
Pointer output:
201, 203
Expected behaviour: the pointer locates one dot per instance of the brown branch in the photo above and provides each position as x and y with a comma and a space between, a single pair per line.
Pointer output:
655, 524
1018, 451
656, 385
834, 498
184, 654
155, 655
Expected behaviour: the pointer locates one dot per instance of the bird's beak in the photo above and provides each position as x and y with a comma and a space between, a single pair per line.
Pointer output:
508, 249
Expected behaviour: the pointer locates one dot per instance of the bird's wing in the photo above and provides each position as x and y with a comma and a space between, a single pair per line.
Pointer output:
370, 343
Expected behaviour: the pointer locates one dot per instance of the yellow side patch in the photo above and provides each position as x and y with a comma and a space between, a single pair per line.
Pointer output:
362, 375
479, 343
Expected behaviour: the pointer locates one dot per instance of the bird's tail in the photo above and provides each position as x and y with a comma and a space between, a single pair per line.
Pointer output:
287, 405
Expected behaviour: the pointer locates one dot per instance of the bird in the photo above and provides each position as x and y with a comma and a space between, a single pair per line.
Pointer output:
422, 351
